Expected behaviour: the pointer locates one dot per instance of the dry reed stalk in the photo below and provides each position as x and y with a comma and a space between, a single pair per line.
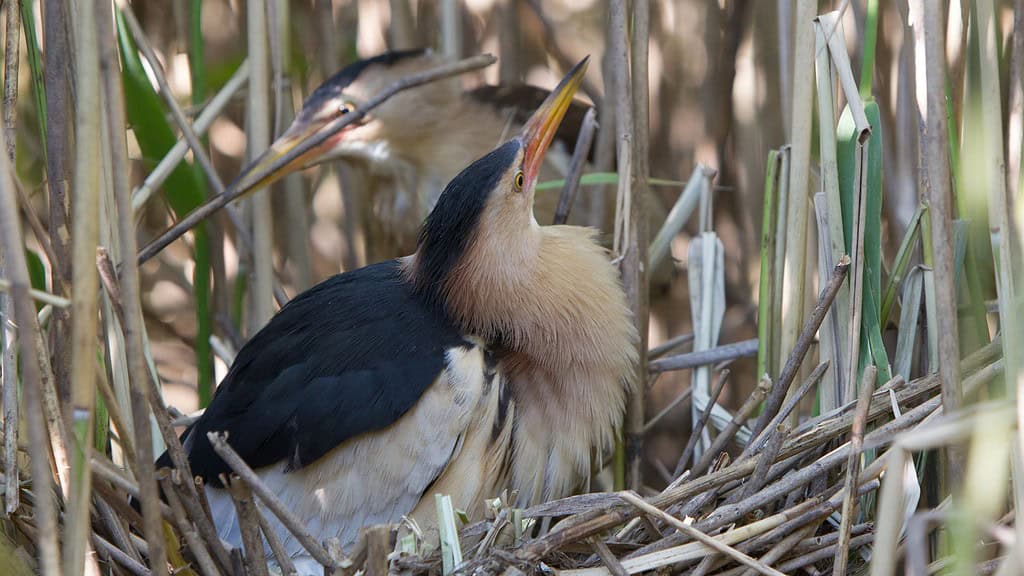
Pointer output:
737, 422
698, 427
187, 530
284, 561
714, 355
607, 557
584, 141
934, 181
792, 401
31, 372
130, 299
249, 526
199, 127
8, 333
85, 282
403, 27
800, 140
698, 535
261, 289
233, 190
867, 386
799, 349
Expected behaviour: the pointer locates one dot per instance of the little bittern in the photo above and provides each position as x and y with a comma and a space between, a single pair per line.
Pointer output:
418, 140
497, 356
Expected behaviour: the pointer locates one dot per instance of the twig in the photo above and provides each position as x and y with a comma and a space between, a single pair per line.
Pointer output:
738, 419
584, 141
40, 295
239, 187
765, 460
201, 124
12, 57
117, 555
248, 524
823, 554
698, 427
722, 353
867, 386
185, 528
701, 537
803, 343
286, 516
130, 292
31, 371
669, 345
284, 561
606, 556
789, 406
682, 397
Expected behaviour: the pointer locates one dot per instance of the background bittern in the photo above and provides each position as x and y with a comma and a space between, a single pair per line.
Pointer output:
498, 355
419, 139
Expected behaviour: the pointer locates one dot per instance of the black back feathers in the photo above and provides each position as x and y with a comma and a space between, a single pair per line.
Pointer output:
451, 224
351, 355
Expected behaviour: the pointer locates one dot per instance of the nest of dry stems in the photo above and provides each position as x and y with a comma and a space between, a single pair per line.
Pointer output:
792, 499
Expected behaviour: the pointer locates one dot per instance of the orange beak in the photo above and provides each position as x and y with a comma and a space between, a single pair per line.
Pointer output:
540, 130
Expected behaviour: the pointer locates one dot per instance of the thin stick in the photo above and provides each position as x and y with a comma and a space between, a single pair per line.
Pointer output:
199, 127
867, 386
698, 427
285, 515
934, 180
665, 411
238, 187
738, 420
85, 281
584, 141
8, 332
606, 556
669, 345
249, 526
116, 554
789, 406
31, 372
130, 292
765, 460
701, 537
284, 561
41, 296
185, 528
742, 349
803, 343
12, 57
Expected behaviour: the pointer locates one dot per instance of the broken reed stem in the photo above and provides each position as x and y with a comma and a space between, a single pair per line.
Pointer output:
284, 561
39, 295
606, 556
738, 419
8, 333
715, 355
765, 460
791, 403
271, 501
584, 141
697, 535
860, 417
803, 343
24, 314
698, 427
239, 187
187, 530
249, 526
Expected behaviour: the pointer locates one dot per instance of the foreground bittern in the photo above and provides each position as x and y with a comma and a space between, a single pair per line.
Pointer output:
497, 356
419, 139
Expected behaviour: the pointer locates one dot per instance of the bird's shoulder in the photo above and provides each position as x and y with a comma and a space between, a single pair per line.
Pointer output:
348, 356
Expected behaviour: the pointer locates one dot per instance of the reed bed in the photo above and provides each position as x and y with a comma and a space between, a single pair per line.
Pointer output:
880, 432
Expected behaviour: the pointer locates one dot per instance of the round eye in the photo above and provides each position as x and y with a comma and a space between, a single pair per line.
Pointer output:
517, 180
344, 109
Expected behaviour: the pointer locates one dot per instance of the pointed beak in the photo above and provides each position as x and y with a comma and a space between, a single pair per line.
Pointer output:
540, 129
253, 176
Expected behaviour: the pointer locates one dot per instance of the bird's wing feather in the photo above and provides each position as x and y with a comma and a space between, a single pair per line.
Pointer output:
347, 357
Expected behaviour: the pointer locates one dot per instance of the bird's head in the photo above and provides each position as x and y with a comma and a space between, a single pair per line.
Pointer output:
488, 207
398, 120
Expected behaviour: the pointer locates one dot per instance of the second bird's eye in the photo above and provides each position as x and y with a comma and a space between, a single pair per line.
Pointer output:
344, 109
517, 180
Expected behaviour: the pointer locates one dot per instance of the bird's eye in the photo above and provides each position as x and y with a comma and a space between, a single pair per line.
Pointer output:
517, 180
344, 109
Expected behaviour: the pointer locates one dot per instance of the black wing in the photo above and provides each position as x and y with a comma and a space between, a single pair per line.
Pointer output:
348, 356
522, 100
